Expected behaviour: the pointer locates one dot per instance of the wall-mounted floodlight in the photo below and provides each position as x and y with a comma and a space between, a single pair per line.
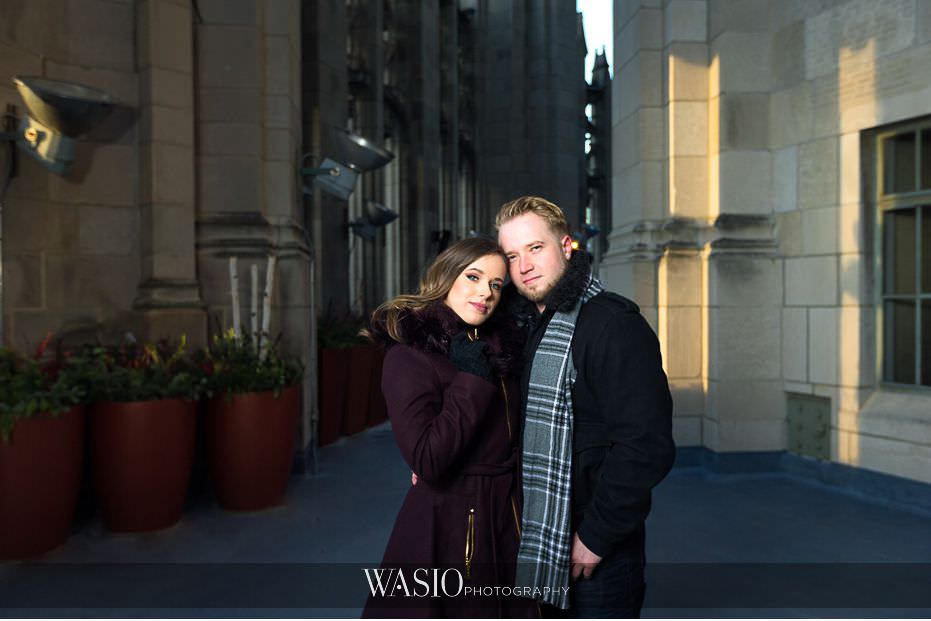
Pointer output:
58, 112
352, 156
376, 216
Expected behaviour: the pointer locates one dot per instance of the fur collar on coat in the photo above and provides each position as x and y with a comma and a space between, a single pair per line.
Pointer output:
562, 298
431, 330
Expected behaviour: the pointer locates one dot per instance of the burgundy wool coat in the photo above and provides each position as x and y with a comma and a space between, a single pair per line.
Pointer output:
460, 434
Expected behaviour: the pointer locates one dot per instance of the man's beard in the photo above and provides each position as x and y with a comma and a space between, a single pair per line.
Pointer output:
537, 295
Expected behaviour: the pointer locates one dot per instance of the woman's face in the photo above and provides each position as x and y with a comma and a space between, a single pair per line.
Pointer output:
477, 290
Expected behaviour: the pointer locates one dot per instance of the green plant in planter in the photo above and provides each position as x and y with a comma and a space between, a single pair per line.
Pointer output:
31, 386
234, 365
135, 372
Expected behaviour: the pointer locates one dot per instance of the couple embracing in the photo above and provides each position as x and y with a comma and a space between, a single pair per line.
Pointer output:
536, 418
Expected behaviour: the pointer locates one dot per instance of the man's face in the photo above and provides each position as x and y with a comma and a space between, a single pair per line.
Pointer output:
537, 258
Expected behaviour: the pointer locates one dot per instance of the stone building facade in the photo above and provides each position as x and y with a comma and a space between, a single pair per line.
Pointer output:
770, 175
222, 102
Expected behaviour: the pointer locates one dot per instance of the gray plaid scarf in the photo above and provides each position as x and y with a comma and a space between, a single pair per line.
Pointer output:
543, 558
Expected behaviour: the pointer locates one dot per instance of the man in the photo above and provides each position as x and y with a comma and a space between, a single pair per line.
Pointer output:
598, 421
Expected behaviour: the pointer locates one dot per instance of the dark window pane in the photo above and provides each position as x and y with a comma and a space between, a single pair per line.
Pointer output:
899, 342
899, 163
925, 159
926, 343
926, 250
899, 251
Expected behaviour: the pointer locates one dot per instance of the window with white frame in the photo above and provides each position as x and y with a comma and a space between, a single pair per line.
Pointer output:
904, 199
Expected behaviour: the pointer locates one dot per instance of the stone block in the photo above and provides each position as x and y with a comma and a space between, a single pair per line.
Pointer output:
788, 60
34, 226
687, 67
99, 34
277, 111
681, 330
747, 401
171, 174
744, 281
820, 230
228, 56
855, 348
234, 12
165, 35
789, 226
625, 140
688, 397
635, 280
738, 15
74, 282
817, 174
108, 230
228, 183
855, 279
744, 182
823, 350
279, 144
23, 281
795, 344
680, 278
229, 138
31, 327
811, 281
742, 342
924, 22
280, 189
166, 88
166, 125
744, 121
652, 134
743, 61
122, 85
850, 172
791, 116
686, 430
686, 20
893, 415
709, 433
688, 186
785, 186
16, 60
688, 128
904, 459
278, 65
103, 174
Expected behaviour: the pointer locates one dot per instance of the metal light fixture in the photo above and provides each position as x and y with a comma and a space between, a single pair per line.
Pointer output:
353, 155
58, 112
376, 216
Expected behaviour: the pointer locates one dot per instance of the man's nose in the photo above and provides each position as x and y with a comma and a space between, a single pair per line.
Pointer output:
525, 265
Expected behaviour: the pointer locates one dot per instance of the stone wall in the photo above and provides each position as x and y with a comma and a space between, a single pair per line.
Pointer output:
743, 223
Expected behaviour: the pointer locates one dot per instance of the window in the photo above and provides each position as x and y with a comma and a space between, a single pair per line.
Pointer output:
904, 187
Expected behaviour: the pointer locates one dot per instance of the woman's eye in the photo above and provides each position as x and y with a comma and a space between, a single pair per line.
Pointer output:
472, 277
496, 286
511, 258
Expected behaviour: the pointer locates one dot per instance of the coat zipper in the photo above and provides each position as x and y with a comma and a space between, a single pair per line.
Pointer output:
470, 545
507, 418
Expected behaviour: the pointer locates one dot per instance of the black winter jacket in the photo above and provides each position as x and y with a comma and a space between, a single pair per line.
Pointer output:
622, 420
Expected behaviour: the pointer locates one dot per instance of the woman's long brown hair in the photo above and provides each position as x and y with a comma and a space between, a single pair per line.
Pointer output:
437, 283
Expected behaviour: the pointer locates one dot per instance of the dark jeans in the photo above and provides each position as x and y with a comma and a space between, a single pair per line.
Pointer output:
615, 591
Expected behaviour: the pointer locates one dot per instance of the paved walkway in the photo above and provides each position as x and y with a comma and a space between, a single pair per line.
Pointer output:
344, 514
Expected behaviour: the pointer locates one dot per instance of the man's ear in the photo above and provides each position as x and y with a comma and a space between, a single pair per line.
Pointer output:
566, 243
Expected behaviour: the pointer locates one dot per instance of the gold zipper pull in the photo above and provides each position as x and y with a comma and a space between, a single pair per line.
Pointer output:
470, 545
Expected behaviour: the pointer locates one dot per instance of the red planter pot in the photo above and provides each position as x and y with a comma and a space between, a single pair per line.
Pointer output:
333, 373
141, 459
40, 477
250, 446
362, 361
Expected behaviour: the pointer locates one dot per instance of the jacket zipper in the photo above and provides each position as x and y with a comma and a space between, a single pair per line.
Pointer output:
507, 418
470, 545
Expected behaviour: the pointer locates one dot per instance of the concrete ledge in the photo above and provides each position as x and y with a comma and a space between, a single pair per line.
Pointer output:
859, 482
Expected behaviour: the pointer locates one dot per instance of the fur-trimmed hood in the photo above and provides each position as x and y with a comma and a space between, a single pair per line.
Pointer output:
431, 330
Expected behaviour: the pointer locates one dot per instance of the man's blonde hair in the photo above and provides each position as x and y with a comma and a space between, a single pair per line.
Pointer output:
552, 214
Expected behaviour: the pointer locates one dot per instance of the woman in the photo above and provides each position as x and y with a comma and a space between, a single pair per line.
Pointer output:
450, 382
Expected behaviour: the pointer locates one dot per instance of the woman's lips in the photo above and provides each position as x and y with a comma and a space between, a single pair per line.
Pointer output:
482, 308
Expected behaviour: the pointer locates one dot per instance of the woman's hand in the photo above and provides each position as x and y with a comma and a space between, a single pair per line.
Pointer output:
470, 356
